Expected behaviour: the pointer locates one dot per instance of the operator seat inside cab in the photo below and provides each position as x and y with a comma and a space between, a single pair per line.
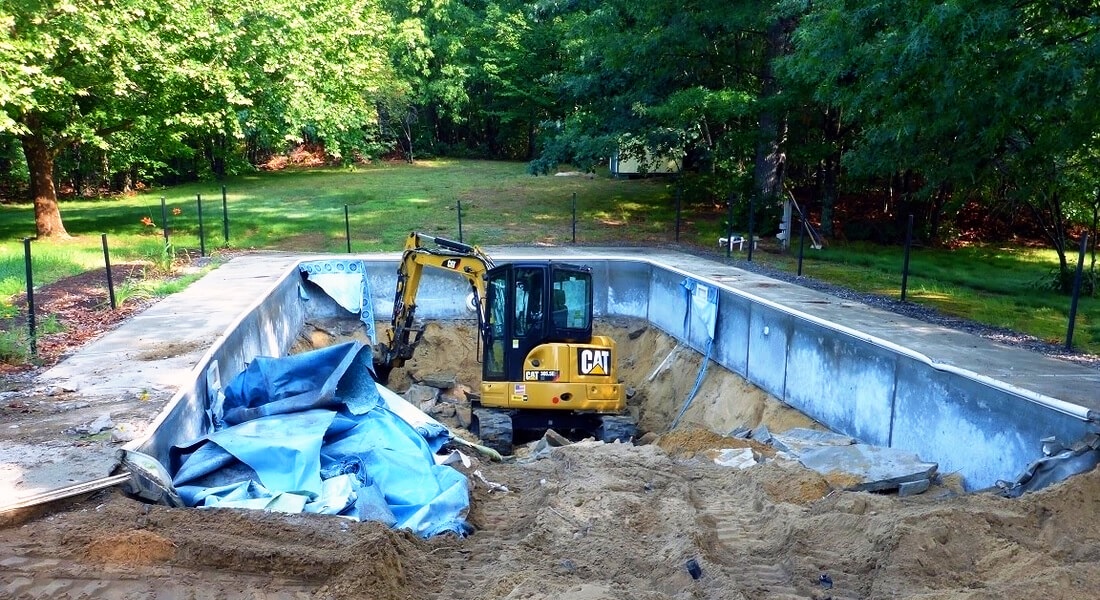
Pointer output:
561, 310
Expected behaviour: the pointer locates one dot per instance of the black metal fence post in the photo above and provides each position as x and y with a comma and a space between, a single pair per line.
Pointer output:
30, 296
164, 221
347, 227
801, 240
225, 217
729, 228
574, 217
202, 233
1076, 291
752, 232
459, 205
110, 277
905, 265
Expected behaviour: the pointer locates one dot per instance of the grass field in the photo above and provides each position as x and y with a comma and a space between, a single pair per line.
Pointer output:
304, 210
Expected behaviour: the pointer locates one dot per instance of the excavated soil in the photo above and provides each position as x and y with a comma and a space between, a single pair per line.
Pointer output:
592, 521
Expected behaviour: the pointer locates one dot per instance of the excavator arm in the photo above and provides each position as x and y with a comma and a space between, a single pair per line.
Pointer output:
404, 334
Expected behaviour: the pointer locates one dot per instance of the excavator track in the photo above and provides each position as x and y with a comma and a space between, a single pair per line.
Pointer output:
494, 428
617, 428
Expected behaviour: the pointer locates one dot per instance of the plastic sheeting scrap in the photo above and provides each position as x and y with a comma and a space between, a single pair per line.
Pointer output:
738, 458
1060, 463
315, 433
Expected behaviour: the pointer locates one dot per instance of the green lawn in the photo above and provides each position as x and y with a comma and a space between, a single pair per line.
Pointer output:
303, 210
998, 285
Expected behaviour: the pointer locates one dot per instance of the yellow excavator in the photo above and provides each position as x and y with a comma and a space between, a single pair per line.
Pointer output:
541, 366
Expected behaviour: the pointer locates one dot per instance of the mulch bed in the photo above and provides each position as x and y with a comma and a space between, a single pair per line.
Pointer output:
81, 305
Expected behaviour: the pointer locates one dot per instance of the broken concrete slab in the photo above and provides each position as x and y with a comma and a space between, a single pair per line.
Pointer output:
551, 439
800, 439
439, 381
455, 395
422, 396
464, 415
912, 488
816, 436
872, 468
761, 434
740, 432
737, 458
443, 409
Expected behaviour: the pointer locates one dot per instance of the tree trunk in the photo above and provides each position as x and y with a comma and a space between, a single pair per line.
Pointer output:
407, 123
1047, 210
121, 182
830, 172
935, 217
47, 216
768, 164
532, 140
772, 127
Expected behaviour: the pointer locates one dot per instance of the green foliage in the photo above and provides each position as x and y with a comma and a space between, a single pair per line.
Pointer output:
15, 343
154, 285
49, 263
130, 291
135, 88
677, 79
14, 346
970, 97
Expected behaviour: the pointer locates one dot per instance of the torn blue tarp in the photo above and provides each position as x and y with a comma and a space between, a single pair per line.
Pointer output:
345, 281
315, 433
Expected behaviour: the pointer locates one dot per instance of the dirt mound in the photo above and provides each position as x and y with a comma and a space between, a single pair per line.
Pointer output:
131, 548
592, 521
688, 441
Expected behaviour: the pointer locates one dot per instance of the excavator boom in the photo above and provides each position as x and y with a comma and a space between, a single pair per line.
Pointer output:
404, 335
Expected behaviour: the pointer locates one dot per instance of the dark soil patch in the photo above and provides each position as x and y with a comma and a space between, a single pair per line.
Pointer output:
81, 306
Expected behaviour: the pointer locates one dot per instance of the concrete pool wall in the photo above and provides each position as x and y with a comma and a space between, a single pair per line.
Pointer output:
880, 392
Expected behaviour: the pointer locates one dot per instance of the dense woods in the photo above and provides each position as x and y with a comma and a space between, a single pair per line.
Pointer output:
959, 112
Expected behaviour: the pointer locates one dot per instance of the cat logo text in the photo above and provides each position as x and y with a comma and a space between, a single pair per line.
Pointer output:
594, 361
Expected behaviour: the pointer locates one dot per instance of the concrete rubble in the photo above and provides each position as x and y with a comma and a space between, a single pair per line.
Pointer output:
862, 467
856, 467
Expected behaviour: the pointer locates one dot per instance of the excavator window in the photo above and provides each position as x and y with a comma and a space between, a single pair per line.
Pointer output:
572, 299
528, 304
497, 293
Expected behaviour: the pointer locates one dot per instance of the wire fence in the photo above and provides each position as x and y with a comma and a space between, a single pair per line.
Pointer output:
579, 221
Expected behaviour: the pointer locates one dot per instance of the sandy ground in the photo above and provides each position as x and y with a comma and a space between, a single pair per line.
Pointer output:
592, 521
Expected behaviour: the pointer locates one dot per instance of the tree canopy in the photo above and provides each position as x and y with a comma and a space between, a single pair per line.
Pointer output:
143, 82
939, 103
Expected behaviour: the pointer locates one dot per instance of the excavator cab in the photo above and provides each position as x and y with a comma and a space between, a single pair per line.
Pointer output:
528, 305
541, 365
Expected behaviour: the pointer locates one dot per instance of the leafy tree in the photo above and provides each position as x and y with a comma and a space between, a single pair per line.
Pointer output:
312, 68
516, 58
966, 95
115, 75
432, 61
76, 73
686, 79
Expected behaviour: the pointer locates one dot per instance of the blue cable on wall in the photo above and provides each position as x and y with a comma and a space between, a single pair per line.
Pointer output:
702, 303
